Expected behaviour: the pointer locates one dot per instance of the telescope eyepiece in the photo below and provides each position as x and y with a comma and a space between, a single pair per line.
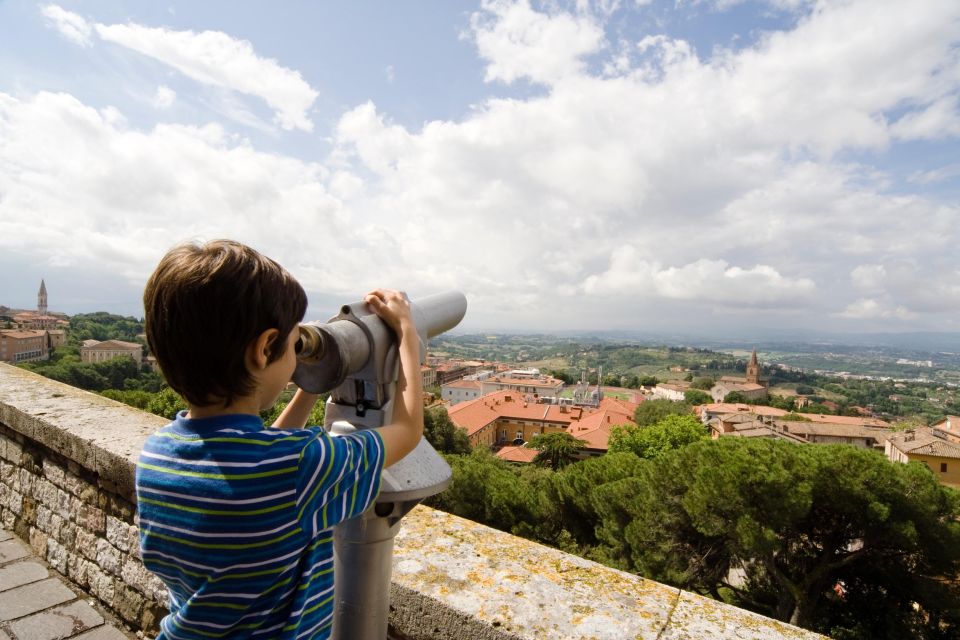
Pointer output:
311, 344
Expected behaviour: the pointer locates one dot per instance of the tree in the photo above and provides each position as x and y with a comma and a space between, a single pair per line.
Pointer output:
166, 404
653, 411
556, 450
442, 434
702, 383
485, 489
695, 397
649, 381
798, 520
734, 397
653, 441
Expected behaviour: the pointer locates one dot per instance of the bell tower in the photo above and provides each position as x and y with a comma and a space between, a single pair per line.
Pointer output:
753, 369
42, 299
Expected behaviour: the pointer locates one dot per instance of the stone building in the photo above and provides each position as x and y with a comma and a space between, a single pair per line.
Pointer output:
96, 351
18, 345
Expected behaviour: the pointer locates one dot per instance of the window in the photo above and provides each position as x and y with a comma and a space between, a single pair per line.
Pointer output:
519, 435
943, 467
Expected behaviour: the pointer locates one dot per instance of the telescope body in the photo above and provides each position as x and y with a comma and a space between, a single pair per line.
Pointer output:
353, 356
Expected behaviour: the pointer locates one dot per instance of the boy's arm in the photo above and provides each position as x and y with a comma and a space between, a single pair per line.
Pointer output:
295, 414
401, 436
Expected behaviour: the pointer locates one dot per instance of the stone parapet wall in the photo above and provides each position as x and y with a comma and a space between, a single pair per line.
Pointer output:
67, 460
79, 517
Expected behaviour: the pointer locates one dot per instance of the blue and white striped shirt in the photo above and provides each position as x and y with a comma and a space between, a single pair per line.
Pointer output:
236, 519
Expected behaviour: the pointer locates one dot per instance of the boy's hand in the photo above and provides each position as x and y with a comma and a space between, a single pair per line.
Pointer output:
392, 307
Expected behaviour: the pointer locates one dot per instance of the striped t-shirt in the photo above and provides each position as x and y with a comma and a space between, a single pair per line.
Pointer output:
236, 519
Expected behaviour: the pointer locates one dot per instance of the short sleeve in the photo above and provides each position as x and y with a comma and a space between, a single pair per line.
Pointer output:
338, 477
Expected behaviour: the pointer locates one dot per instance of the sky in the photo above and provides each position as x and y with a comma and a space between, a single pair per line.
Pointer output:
699, 165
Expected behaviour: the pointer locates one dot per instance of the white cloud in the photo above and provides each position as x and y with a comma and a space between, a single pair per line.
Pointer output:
671, 187
215, 58
870, 309
941, 119
519, 42
390, 73
869, 277
164, 97
709, 282
72, 26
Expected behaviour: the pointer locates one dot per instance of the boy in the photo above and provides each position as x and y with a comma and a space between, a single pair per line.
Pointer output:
236, 518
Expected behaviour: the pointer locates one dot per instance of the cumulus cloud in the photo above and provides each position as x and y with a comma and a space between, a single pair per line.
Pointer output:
164, 97
871, 309
215, 58
519, 42
72, 26
672, 179
209, 57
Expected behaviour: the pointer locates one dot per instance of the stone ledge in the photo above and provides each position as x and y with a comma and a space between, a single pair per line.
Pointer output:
97, 433
453, 579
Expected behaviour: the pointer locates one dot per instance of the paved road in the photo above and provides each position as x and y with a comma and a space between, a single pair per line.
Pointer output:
36, 603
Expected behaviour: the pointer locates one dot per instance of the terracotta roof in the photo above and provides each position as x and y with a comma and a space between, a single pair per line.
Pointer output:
924, 442
880, 434
739, 407
18, 333
517, 454
462, 384
742, 386
587, 423
856, 420
110, 345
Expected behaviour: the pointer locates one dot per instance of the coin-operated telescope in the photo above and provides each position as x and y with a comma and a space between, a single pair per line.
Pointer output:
354, 357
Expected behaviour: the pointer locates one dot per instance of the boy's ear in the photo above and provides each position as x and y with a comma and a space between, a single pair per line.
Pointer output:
258, 352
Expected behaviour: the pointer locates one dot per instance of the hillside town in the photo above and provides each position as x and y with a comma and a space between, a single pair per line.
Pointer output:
504, 408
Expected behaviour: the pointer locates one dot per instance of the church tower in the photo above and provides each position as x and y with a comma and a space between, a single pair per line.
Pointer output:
753, 369
42, 299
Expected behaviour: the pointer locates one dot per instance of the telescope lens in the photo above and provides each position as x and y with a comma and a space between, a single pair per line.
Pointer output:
297, 348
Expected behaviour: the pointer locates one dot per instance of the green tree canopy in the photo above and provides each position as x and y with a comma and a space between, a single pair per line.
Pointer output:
654, 441
798, 520
695, 397
442, 434
556, 450
653, 411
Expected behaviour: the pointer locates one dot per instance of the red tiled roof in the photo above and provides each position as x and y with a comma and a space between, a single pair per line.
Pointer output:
463, 384
517, 454
587, 423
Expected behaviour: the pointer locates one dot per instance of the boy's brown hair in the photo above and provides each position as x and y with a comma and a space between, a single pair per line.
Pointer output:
205, 304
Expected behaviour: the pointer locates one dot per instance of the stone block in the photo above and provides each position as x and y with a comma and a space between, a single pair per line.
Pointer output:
7, 518
101, 585
86, 544
138, 577
57, 556
108, 557
29, 513
89, 517
68, 534
7, 471
20, 573
13, 549
27, 481
53, 472
45, 492
63, 504
128, 603
14, 501
38, 541
102, 633
60, 622
12, 451
33, 597
78, 570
